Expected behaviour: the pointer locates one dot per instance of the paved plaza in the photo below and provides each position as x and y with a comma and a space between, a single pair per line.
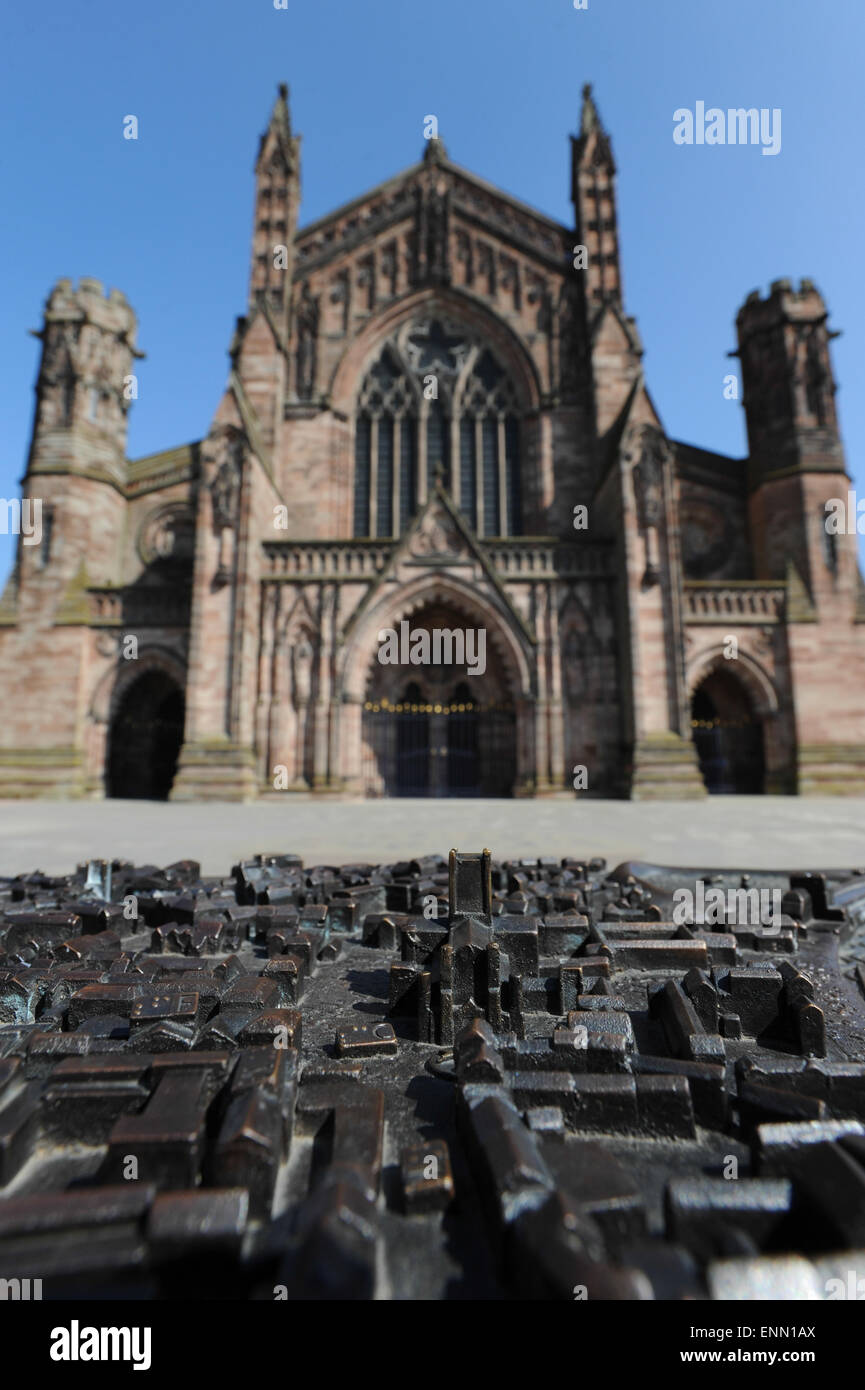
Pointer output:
722, 832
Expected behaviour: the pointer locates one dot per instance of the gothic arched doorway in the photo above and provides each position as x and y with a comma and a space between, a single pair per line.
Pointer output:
445, 733
146, 734
728, 736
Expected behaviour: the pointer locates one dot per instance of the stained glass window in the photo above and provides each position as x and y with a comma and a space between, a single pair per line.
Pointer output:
429, 385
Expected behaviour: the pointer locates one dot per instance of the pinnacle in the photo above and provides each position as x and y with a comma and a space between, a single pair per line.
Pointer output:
281, 114
589, 118
435, 152
279, 128
592, 135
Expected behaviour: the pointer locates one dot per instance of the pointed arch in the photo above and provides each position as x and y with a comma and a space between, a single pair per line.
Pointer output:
144, 727
109, 691
753, 676
476, 319
440, 727
730, 703
451, 425
394, 605
437, 404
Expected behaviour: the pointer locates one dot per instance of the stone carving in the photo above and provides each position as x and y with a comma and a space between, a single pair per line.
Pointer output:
812, 381
341, 294
56, 406
432, 236
366, 279
571, 353
224, 453
437, 536
307, 343
573, 665
487, 267
59, 375
647, 451
438, 244
511, 280
816, 380
707, 539
167, 534
108, 644
465, 256
436, 347
605, 630
302, 657
320, 247
225, 487
762, 640
390, 266
99, 353
61, 350
506, 220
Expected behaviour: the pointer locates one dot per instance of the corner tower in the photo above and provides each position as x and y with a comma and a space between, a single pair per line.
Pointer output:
76, 466
796, 466
74, 490
796, 459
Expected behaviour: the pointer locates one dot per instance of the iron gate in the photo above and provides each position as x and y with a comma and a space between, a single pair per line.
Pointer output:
731, 757
438, 750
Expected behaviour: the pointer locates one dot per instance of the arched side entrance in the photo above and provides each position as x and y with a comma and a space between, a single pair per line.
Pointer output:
145, 738
728, 735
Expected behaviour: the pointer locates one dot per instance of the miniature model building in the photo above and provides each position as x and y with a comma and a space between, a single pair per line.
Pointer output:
432, 1079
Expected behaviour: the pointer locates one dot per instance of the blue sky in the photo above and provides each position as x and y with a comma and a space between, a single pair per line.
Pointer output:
167, 218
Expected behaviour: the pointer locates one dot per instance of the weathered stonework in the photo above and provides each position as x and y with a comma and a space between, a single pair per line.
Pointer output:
426, 388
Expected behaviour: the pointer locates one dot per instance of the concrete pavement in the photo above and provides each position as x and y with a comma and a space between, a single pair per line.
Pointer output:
722, 832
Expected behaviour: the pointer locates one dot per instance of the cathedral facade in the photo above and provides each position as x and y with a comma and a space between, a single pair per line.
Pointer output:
436, 442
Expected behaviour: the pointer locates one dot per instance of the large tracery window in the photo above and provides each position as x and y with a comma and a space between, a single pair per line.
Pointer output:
489, 462
436, 407
385, 450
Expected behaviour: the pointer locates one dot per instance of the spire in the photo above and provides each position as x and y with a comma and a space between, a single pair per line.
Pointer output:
281, 113
592, 145
277, 195
278, 136
435, 152
589, 118
593, 194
